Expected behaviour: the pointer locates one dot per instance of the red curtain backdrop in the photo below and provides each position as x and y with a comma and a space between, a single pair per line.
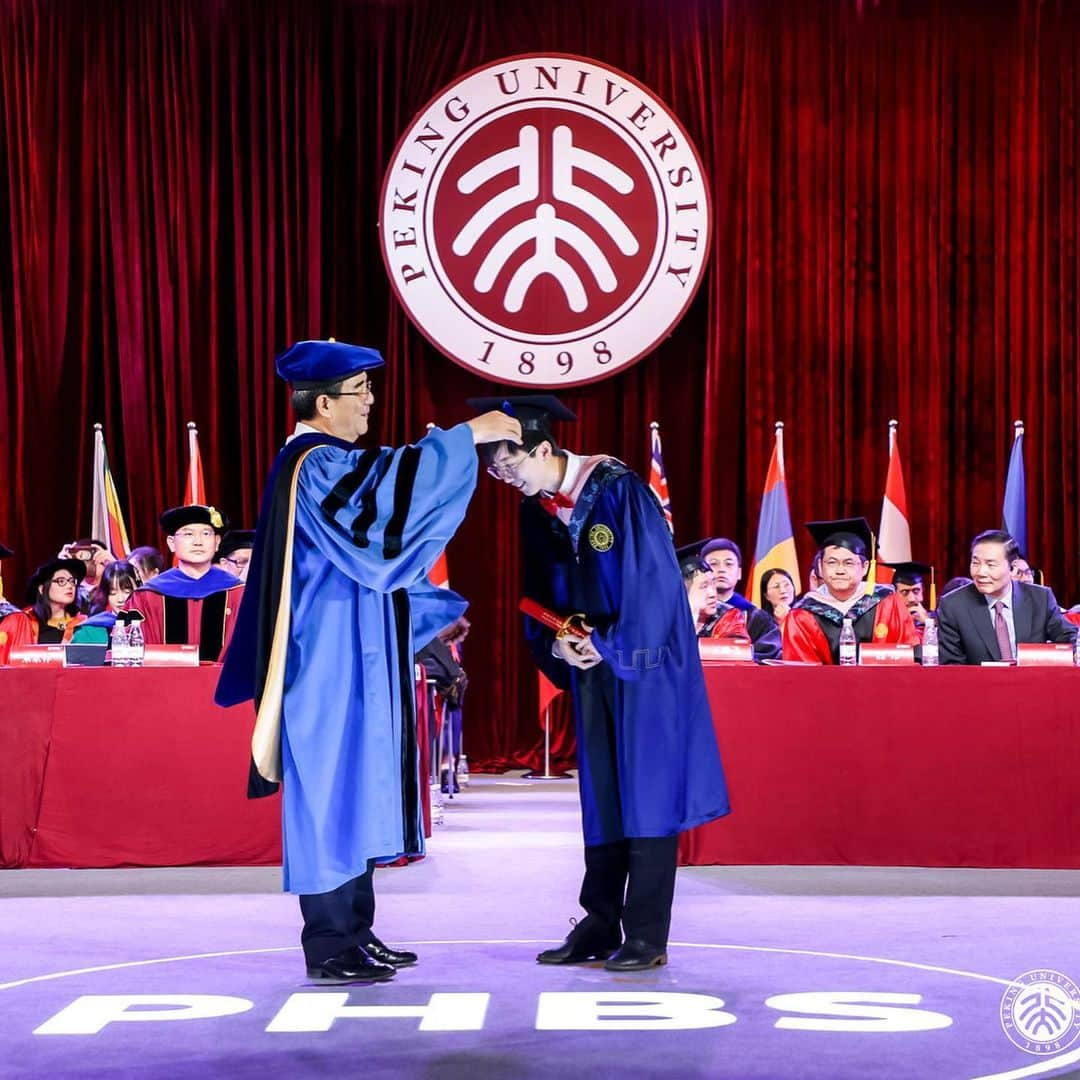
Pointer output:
188, 186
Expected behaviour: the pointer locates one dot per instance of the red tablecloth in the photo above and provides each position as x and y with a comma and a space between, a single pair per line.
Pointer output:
131, 768
896, 767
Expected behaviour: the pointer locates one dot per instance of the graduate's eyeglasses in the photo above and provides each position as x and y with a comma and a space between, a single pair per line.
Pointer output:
63, 582
506, 471
847, 564
367, 389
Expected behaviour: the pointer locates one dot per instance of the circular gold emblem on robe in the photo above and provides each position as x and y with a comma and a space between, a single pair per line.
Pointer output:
601, 538
881, 631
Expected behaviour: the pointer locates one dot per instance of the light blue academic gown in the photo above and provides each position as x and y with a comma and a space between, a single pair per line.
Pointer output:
344, 701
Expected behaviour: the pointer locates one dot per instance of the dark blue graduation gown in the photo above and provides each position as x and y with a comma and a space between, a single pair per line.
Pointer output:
647, 754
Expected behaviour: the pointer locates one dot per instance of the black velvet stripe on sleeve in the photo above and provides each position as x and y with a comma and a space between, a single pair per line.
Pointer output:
410, 792
349, 484
369, 509
403, 492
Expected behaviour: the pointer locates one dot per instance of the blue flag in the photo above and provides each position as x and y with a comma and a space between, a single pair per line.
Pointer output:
1014, 508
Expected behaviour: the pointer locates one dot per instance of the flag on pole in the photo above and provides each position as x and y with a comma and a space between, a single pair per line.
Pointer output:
107, 522
195, 486
657, 479
775, 547
548, 693
1014, 506
894, 536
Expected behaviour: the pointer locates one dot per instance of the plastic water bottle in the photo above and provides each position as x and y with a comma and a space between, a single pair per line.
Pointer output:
848, 644
930, 643
136, 648
121, 650
463, 770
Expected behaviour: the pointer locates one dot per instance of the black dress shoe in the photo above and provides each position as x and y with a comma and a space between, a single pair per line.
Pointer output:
589, 940
352, 965
636, 955
385, 955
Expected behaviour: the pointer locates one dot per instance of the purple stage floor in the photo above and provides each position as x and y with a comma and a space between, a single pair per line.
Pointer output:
775, 971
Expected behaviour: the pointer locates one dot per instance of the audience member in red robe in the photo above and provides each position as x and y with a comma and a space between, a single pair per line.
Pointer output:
812, 629
715, 619
53, 613
195, 603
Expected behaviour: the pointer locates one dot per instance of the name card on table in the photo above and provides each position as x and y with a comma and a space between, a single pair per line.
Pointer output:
718, 651
893, 652
171, 656
1030, 654
36, 656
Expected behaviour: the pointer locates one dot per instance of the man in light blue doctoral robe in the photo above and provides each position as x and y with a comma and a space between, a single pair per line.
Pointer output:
336, 604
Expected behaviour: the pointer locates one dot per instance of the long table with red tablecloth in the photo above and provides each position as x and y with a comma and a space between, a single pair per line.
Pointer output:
133, 767
895, 766
830, 766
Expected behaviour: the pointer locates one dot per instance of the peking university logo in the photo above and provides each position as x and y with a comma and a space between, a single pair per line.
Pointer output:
545, 220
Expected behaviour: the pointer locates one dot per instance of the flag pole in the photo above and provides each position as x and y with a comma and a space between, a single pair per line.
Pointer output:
547, 774
893, 425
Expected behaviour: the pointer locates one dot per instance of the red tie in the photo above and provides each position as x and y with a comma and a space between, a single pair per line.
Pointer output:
553, 503
1001, 628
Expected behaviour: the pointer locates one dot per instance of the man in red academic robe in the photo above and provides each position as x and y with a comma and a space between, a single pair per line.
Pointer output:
195, 603
878, 615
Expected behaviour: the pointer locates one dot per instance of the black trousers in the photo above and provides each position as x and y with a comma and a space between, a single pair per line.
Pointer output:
632, 882
333, 921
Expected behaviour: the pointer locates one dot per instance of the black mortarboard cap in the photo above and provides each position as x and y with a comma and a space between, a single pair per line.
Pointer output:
235, 540
690, 557
179, 516
535, 412
910, 570
308, 365
854, 534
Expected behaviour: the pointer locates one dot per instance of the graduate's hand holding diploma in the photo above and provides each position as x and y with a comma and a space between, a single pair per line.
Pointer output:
578, 652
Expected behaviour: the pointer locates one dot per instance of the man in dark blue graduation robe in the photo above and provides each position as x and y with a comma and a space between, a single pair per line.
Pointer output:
337, 601
595, 542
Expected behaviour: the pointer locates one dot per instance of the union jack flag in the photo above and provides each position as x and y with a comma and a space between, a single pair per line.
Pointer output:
657, 479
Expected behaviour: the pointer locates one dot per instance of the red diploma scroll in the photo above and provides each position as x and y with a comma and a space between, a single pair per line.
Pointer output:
567, 627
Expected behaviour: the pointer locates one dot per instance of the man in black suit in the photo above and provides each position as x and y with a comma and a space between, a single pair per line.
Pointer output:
988, 618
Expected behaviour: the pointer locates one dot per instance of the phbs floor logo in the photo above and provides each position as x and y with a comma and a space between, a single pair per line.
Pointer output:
545, 220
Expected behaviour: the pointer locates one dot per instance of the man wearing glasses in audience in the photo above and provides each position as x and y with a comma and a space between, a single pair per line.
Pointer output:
878, 615
194, 603
234, 555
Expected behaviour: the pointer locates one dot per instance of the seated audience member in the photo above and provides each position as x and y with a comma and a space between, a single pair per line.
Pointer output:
814, 577
812, 629
234, 555
6, 607
777, 594
118, 582
725, 561
53, 611
1021, 570
148, 562
715, 619
195, 603
987, 619
95, 556
909, 580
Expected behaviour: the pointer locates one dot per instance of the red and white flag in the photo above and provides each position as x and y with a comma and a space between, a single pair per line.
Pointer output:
894, 536
194, 486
